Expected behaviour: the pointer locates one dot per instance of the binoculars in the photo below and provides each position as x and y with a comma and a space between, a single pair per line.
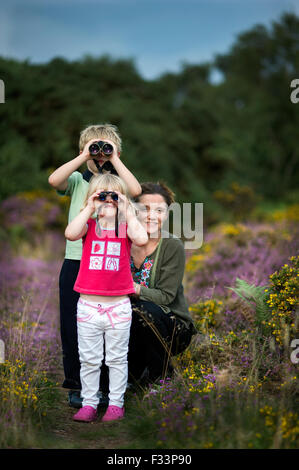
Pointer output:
101, 147
103, 195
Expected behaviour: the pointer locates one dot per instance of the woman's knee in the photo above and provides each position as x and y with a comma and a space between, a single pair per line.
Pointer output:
181, 341
147, 307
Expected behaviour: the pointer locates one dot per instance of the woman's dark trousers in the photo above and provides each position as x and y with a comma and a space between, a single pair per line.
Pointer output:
155, 336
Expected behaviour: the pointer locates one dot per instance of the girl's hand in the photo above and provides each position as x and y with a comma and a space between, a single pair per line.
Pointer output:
91, 200
130, 211
125, 207
123, 204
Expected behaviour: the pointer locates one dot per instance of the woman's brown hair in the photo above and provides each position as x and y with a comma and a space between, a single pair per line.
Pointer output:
157, 188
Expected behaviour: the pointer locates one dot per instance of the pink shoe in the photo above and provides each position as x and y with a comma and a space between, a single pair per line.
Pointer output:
113, 413
86, 414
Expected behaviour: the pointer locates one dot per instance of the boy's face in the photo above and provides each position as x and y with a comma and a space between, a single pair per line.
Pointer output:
101, 158
92, 166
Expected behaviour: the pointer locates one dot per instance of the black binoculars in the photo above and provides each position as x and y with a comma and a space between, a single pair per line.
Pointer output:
103, 195
101, 147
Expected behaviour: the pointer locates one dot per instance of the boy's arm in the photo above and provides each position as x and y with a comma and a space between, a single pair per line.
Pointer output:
58, 179
77, 228
125, 174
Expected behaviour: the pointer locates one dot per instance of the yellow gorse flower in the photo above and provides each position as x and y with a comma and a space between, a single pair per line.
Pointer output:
283, 299
205, 313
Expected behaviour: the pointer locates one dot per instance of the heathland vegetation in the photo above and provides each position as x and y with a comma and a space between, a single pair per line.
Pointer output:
231, 145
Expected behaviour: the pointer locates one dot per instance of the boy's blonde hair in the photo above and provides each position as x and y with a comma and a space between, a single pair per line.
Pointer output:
105, 181
100, 131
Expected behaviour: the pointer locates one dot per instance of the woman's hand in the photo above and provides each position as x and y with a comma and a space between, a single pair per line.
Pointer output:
137, 288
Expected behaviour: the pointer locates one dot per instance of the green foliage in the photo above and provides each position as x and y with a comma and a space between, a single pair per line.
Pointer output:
204, 313
254, 296
197, 136
257, 117
20, 169
275, 306
238, 200
283, 294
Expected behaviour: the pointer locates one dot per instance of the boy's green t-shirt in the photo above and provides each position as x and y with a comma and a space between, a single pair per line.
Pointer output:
77, 189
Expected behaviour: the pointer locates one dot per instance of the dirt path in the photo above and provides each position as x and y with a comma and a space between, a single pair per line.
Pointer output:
67, 433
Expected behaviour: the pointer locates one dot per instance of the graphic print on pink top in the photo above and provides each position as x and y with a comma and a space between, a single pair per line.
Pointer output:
105, 263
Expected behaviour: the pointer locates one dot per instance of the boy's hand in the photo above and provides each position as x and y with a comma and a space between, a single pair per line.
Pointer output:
101, 158
85, 152
113, 157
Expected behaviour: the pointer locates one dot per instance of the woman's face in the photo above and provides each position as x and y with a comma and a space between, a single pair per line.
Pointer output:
152, 212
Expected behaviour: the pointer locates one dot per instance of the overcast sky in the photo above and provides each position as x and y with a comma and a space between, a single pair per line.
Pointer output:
158, 34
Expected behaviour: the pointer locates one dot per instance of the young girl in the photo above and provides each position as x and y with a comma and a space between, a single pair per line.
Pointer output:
104, 282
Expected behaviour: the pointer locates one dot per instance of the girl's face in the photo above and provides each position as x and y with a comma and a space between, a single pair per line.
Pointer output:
152, 212
108, 207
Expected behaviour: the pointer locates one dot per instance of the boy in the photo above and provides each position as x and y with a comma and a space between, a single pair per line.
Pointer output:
68, 181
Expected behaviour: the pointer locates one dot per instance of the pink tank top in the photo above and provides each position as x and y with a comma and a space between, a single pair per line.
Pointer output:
105, 263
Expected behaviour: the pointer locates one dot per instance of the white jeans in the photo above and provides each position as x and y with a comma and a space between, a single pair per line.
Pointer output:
95, 322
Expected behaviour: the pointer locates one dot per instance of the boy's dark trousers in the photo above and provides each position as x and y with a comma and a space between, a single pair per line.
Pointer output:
68, 328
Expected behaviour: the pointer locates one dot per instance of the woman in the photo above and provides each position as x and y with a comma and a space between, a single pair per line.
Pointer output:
161, 323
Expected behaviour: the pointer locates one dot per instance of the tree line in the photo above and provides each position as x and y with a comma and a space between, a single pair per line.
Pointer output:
183, 128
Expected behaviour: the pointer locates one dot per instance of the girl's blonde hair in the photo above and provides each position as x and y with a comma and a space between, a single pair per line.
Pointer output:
105, 181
